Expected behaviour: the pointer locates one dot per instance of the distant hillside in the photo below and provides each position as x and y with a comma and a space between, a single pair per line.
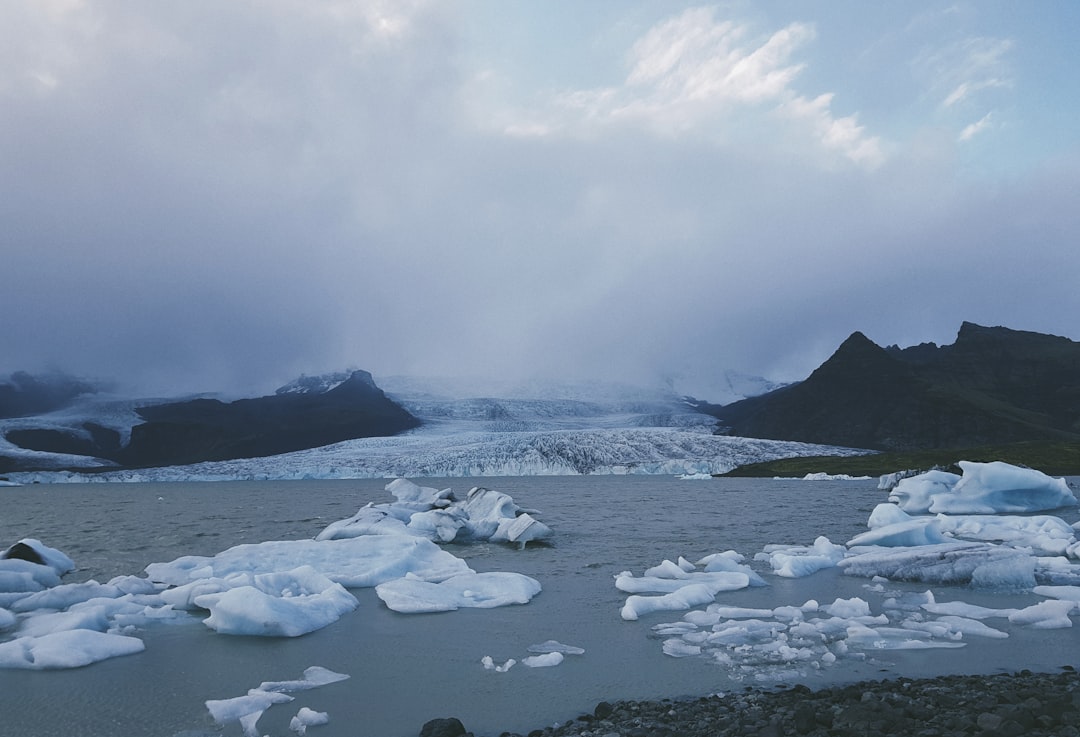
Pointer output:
210, 430
992, 386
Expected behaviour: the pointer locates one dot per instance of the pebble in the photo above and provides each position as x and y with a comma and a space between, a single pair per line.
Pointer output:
1005, 705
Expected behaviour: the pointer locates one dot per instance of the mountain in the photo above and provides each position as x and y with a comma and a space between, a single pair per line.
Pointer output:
993, 385
469, 427
23, 394
204, 429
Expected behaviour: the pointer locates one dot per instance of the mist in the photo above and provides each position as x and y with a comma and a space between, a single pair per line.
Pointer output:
208, 198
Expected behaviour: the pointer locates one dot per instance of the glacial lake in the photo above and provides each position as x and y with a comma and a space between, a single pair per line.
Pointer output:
407, 669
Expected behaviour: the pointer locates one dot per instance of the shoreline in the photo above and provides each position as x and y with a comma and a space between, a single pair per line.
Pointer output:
998, 705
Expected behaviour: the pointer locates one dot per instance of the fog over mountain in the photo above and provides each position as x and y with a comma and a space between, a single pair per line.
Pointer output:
205, 197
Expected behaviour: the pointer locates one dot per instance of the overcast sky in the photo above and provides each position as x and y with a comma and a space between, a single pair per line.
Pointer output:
209, 195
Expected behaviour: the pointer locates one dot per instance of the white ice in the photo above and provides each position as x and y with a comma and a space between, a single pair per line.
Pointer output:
978, 530
438, 515
684, 598
284, 604
984, 488
412, 594
795, 561
307, 718
546, 660
275, 588
554, 646
66, 649
247, 709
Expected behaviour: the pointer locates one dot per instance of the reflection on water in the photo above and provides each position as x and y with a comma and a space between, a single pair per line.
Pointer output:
406, 669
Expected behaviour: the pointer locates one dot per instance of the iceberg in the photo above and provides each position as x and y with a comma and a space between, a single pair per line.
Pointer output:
943, 563
358, 562
412, 595
437, 515
285, 604
246, 710
795, 561
984, 488
66, 649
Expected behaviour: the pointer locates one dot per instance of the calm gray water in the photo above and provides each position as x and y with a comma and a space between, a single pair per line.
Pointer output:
406, 669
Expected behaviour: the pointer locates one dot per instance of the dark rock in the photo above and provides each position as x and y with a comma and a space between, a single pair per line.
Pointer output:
22, 551
805, 717
603, 710
993, 385
449, 727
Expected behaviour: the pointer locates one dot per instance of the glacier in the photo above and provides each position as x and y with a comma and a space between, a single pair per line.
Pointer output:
512, 430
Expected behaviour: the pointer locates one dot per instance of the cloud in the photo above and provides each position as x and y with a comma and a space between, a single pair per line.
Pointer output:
201, 196
695, 75
976, 128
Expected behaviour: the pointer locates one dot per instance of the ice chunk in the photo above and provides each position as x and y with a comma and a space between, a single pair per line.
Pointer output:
887, 514
984, 488
61, 597
307, 718
246, 710
489, 664
436, 515
1051, 614
66, 649
34, 551
286, 604
7, 619
793, 561
667, 569
554, 646
677, 648
440, 525
972, 627
1069, 593
924, 531
521, 529
313, 677
915, 494
847, 608
352, 562
1015, 572
407, 491
942, 563
732, 562
717, 581
370, 520
1044, 534
685, 598
477, 590
543, 661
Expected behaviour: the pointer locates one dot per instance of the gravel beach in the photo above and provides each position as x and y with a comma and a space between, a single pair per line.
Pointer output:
1003, 705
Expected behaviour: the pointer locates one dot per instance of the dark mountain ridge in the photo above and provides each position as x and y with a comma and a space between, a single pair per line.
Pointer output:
993, 385
204, 429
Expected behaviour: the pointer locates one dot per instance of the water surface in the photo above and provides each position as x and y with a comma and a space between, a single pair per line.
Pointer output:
406, 669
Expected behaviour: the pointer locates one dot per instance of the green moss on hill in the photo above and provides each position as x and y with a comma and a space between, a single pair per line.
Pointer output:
1055, 459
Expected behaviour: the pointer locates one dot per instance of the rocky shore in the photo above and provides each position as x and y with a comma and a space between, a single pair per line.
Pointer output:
1003, 705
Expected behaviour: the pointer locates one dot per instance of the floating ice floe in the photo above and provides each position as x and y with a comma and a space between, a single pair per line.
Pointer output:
546, 654
681, 586
984, 488
821, 476
438, 515
412, 594
247, 709
284, 588
979, 530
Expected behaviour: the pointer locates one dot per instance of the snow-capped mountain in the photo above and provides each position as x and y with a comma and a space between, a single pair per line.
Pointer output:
474, 428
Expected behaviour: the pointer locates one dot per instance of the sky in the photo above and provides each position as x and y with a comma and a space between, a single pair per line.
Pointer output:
208, 196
